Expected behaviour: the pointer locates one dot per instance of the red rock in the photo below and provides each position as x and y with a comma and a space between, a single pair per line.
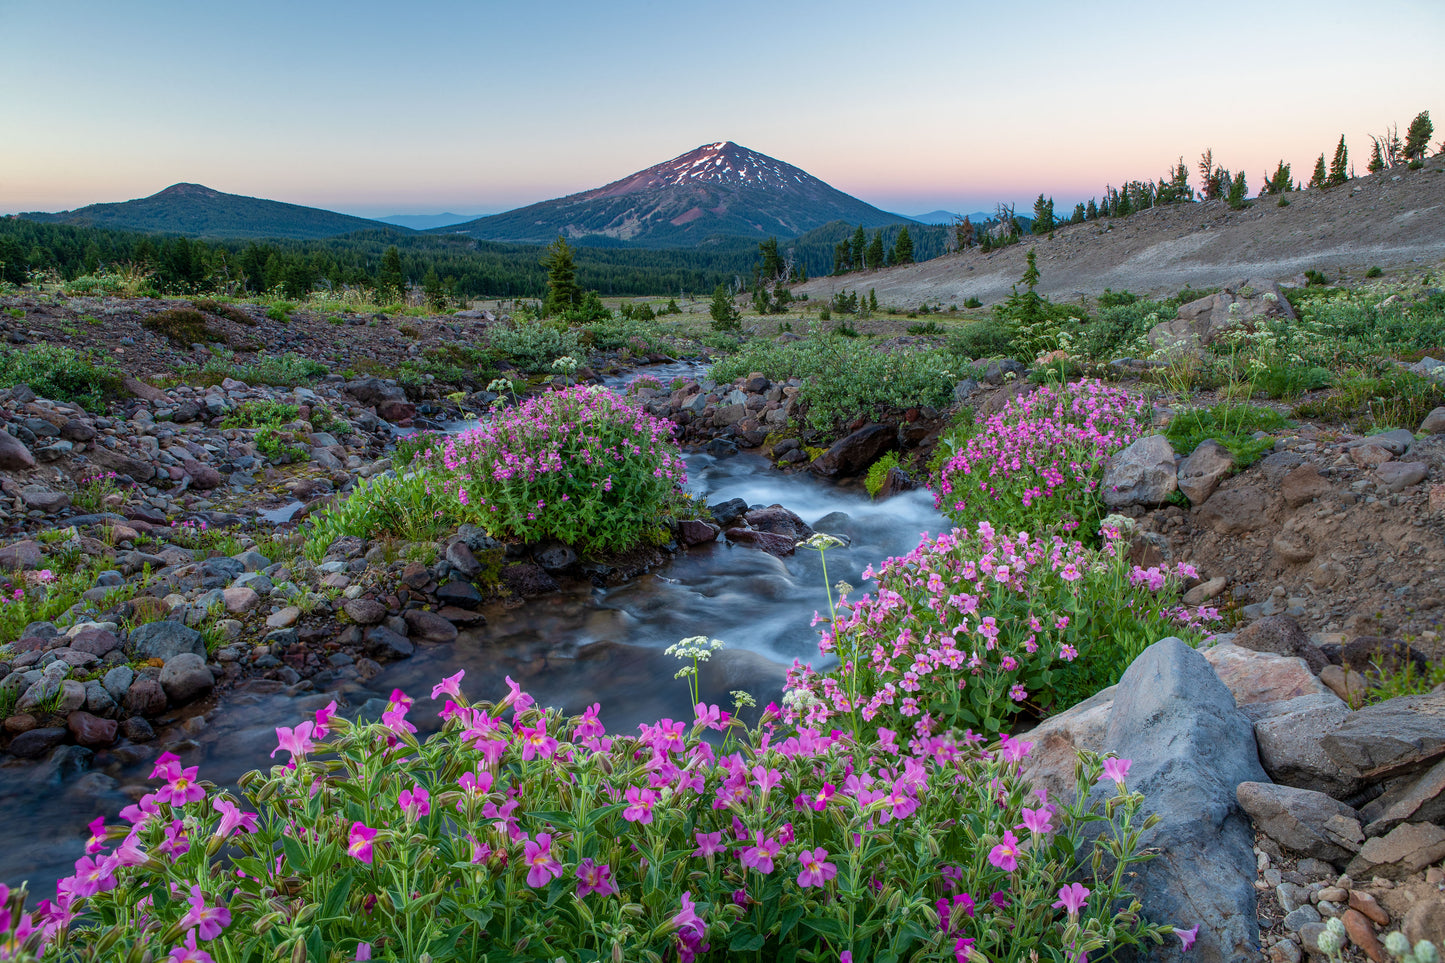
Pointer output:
1366, 904
1362, 933
91, 731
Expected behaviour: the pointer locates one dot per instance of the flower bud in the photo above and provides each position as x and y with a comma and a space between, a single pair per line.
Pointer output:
1425, 952
1328, 942
1396, 944
298, 952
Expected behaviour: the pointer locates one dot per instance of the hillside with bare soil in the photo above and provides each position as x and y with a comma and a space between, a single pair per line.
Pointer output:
1394, 220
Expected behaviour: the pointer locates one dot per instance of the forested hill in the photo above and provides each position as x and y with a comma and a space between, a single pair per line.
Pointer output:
197, 211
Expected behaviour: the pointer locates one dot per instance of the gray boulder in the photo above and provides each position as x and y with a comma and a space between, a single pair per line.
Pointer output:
1240, 304
1281, 635
1390, 738
1141, 474
164, 640
185, 678
852, 454
1414, 798
1303, 820
1292, 744
14, 456
1201, 473
1190, 749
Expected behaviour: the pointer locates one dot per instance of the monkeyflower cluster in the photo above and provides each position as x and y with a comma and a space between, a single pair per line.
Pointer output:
1036, 464
514, 832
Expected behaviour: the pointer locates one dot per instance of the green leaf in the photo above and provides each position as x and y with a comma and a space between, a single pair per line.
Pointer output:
829, 929
790, 920
336, 899
295, 855
746, 942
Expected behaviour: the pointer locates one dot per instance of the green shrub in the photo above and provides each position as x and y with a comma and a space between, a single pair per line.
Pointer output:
613, 333
878, 473
973, 302
1373, 272
1231, 424
280, 312
1393, 399
277, 445
1119, 330
60, 374
984, 339
843, 378
1115, 299
181, 326
532, 345
925, 328
255, 414
223, 310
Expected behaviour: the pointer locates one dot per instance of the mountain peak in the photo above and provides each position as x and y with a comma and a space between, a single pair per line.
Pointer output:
187, 190
723, 164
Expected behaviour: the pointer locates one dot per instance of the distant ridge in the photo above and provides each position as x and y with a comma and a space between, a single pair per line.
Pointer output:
717, 189
425, 222
199, 211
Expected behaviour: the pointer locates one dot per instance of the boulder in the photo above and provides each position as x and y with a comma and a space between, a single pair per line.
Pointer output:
185, 678
91, 731
459, 556
1406, 850
1190, 749
1414, 798
527, 579
383, 643
1391, 737
14, 456
854, 453
776, 545
779, 521
1235, 511
695, 531
1291, 744
555, 559
364, 611
203, 476
1303, 484
240, 600
1366, 653
374, 391
43, 499
122, 464
1434, 422
1303, 821
37, 742
1243, 303
460, 594
1281, 635
427, 626
1201, 473
145, 697
1141, 474
164, 640
1261, 678
1397, 476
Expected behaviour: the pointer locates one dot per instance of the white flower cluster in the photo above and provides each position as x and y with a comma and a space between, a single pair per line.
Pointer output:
820, 542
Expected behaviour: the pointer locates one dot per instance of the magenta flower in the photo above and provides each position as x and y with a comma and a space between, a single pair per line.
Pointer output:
168, 766
536, 742
363, 953
92, 876
1115, 769
1187, 937
232, 818
760, 856
415, 801
323, 720
208, 920
1072, 898
640, 803
815, 872
1006, 854
595, 878
516, 698
295, 741
358, 842
690, 930
188, 953
182, 787
1037, 820
451, 685
708, 844
542, 868
94, 844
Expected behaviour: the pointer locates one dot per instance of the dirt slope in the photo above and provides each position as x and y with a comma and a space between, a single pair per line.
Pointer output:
1394, 220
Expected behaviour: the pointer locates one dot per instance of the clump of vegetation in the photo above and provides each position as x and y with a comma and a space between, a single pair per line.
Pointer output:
878, 473
579, 465
61, 374
256, 414
181, 326
983, 339
531, 344
280, 312
1394, 398
1231, 424
221, 309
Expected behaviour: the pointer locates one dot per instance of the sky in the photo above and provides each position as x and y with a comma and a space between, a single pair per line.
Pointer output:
379, 108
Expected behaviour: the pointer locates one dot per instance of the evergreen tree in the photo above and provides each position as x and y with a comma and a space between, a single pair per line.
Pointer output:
1122, 207
1281, 182
435, 290
563, 294
1377, 160
903, 247
859, 242
1339, 164
1206, 176
841, 259
1031, 273
1078, 217
1043, 217
1237, 192
874, 258
1417, 136
390, 283
872, 300
772, 263
1319, 177
1091, 212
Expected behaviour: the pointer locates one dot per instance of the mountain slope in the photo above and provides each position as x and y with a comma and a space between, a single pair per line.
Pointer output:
1394, 220
425, 222
198, 211
717, 189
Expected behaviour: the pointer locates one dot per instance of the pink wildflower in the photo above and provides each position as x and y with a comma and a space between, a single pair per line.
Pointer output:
209, 920
358, 842
815, 872
1072, 898
542, 868
1005, 854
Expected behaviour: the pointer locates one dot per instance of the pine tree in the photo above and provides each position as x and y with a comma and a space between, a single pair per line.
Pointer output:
874, 258
903, 247
1339, 165
1237, 192
1417, 136
563, 294
1091, 212
1206, 174
841, 259
1377, 160
1078, 217
772, 263
435, 289
1281, 182
390, 283
1319, 177
1043, 216
859, 242
963, 234
1031, 273
872, 300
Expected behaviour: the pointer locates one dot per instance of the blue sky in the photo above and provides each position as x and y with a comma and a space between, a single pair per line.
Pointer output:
381, 108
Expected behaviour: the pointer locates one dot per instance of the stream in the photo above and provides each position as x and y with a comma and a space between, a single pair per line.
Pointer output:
570, 649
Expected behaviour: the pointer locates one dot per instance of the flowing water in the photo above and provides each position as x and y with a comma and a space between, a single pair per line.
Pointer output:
571, 649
